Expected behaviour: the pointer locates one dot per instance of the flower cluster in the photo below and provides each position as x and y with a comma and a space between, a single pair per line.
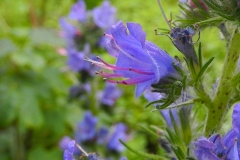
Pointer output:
87, 132
216, 147
83, 30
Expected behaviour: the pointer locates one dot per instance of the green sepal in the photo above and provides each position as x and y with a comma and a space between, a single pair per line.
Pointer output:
149, 131
155, 102
177, 144
178, 69
203, 69
146, 155
200, 55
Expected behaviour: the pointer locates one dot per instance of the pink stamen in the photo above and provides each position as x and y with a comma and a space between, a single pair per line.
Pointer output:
108, 75
125, 69
108, 35
130, 81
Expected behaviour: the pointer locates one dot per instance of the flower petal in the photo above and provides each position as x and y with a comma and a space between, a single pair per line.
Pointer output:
236, 117
137, 32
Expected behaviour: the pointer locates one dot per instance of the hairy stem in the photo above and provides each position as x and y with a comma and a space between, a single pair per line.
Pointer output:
219, 108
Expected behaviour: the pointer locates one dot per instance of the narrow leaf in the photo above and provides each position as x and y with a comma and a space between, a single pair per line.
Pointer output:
146, 155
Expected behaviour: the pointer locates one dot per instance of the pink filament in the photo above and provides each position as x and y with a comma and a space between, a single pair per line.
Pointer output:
125, 69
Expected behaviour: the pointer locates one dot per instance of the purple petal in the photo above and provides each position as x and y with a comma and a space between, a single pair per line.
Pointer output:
236, 117
205, 143
86, 128
119, 133
128, 44
64, 142
233, 152
229, 139
141, 87
137, 32
68, 155
205, 154
162, 62
71, 145
112, 48
78, 11
166, 115
104, 16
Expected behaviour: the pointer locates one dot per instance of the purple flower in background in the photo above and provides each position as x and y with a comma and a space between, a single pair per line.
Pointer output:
138, 61
76, 59
69, 31
86, 128
104, 16
217, 148
109, 95
119, 132
78, 11
68, 153
64, 142
102, 135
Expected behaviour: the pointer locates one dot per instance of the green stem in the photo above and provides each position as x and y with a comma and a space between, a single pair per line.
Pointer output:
219, 108
94, 105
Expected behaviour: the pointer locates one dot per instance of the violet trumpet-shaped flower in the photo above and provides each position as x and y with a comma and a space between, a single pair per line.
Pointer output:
78, 11
138, 61
217, 148
104, 16
86, 128
118, 133
109, 95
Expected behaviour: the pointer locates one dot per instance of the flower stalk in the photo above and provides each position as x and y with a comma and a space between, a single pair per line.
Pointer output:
220, 105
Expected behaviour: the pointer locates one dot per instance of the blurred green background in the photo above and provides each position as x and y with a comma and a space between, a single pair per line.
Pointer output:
34, 109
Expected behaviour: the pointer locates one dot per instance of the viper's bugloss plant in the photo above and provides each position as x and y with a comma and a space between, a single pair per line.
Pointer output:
176, 86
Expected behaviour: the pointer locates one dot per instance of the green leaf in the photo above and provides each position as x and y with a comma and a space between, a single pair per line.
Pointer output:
203, 69
40, 153
149, 131
6, 46
30, 115
40, 36
146, 155
200, 55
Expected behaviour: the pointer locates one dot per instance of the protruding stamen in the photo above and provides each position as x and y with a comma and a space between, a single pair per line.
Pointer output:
81, 149
108, 35
130, 81
109, 75
122, 68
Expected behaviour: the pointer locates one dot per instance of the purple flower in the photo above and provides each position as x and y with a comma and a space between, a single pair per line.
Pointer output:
68, 153
69, 31
102, 135
118, 133
86, 128
76, 59
109, 95
138, 61
104, 16
64, 142
217, 148
78, 11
